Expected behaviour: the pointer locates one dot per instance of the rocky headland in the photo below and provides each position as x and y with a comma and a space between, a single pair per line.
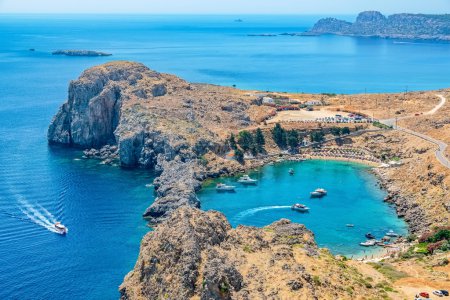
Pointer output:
125, 113
397, 26
80, 53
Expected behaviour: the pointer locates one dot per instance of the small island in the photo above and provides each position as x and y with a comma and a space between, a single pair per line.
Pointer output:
397, 26
80, 53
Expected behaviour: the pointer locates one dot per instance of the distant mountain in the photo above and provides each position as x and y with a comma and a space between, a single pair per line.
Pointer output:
403, 26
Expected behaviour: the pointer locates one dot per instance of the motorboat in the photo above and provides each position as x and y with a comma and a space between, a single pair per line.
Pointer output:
368, 243
221, 187
391, 233
350, 225
60, 228
322, 191
291, 171
370, 236
300, 207
245, 179
318, 193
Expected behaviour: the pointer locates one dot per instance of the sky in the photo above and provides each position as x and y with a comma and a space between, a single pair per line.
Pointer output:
224, 6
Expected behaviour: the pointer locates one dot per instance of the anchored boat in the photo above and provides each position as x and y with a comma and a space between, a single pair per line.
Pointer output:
318, 193
391, 233
291, 171
368, 243
300, 207
221, 187
245, 179
369, 236
60, 228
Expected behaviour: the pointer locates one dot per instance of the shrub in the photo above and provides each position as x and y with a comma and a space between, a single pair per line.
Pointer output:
279, 136
433, 246
245, 140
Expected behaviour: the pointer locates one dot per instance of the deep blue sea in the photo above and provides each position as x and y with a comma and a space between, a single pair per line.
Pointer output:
102, 205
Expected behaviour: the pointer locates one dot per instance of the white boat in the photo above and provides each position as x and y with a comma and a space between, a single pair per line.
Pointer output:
225, 188
300, 207
318, 193
350, 225
60, 228
391, 233
368, 243
247, 180
291, 171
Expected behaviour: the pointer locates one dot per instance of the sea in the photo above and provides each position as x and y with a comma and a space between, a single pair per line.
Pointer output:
102, 205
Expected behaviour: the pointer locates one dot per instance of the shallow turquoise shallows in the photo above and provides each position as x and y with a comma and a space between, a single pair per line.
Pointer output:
353, 198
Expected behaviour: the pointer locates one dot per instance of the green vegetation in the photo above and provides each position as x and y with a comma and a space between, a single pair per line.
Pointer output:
245, 140
329, 94
232, 142
259, 140
381, 125
388, 270
316, 280
293, 139
317, 136
279, 136
239, 155
337, 131
438, 239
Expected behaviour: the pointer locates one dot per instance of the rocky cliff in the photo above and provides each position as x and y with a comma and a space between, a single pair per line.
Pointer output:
197, 255
146, 114
403, 26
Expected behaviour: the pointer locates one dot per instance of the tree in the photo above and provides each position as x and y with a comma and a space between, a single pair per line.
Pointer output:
279, 136
292, 139
245, 140
317, 136
345, 130
336, 131
239, 155
259, 140
232, 142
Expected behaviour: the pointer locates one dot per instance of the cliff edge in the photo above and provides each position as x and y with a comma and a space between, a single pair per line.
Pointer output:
401, 26
197, 255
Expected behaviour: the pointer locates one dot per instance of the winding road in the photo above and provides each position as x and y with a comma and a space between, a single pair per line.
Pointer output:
440, 152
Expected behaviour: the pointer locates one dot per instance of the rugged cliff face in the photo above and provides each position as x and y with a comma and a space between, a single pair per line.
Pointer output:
196, 254
146, 114
373, 23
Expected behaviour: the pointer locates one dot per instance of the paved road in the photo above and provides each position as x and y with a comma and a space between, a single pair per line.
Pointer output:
440, 152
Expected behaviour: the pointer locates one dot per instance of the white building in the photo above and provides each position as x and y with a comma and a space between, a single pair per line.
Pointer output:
267, 100
313, 102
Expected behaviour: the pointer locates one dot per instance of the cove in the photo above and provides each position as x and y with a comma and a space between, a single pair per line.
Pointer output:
353, 198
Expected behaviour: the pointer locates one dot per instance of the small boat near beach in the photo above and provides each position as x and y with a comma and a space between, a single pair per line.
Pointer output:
391, 233
318, 193
350, 225
300, 207
368, 243
221, 187
370, 236
291, 171
60, 228
245, 179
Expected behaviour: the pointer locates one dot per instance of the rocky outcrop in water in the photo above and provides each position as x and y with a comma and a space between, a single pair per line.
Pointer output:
80, 53
401, 26
197, 254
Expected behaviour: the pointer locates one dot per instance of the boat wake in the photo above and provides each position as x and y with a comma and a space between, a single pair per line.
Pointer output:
38, 215
252, 211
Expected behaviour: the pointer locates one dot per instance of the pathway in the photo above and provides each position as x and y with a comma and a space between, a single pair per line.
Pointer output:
440, 152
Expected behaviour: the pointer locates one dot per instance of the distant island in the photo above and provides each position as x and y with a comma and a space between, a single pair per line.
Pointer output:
398, 26
80, 53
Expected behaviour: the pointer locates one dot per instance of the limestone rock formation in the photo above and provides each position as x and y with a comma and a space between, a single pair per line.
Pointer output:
197, 254
146, 114
403, 26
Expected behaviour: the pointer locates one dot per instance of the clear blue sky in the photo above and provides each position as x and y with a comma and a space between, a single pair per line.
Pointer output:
224, 6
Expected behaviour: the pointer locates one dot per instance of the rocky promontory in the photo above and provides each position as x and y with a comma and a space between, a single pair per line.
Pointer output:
399, 26
80, 53
197, 255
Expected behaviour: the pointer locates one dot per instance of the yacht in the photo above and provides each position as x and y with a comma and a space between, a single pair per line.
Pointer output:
350, 225
391, 233
60, 228
291, 171
221, 187
322, 191
300, 207
368, 243
247, 180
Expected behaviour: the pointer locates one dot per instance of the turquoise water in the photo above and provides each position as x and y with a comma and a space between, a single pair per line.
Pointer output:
353, 198
102, 206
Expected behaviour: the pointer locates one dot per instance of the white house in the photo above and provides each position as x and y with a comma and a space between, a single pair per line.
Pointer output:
313, 102
267, 100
